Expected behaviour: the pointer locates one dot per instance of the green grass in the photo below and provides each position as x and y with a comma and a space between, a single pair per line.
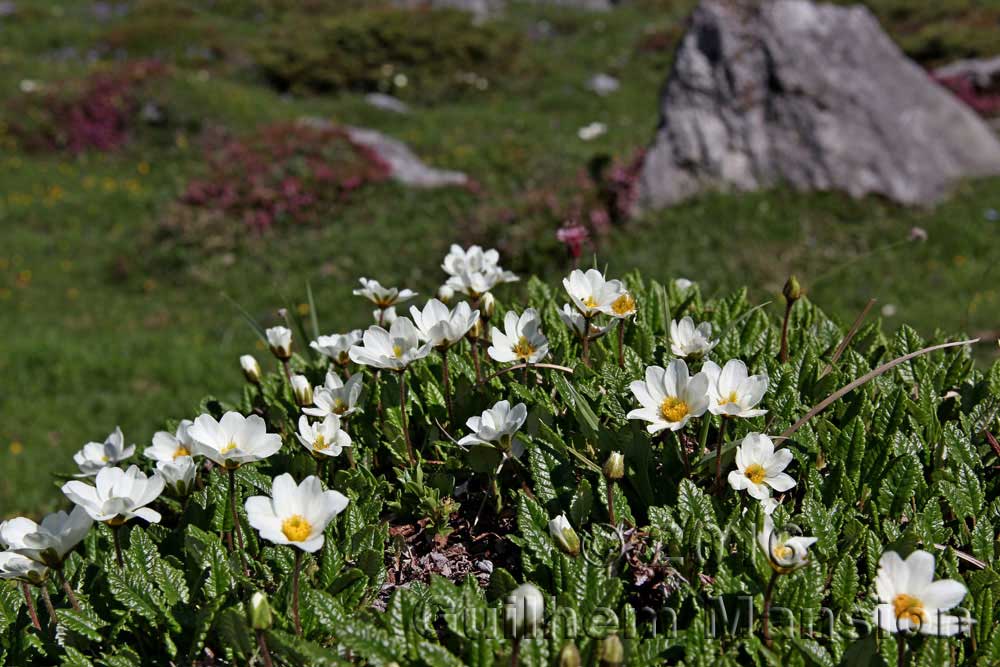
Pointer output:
99, 332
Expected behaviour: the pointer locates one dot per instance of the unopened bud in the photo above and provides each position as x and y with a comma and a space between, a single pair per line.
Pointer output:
612, 652
564, 535
569, 656
477, 330
487, 305
525, 608
614, 467
260, 611
279, 339
302, 390
446, 294
792, 290
251, 369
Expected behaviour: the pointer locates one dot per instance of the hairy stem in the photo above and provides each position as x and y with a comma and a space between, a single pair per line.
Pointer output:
900, 649
766, 615
116, 532
446, 385
611, 502
265, 654
295, 593
718, 454
621, 343
30, 601
784, 332
69, 590
53, 619
402, 418
236, 520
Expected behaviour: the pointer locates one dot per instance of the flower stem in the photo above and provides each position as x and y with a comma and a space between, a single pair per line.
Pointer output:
683, 451
30, 601
402, 417
900, 649
69, 590
515, 652
116, 531
718, 455
288, 372
611, 502
766, 615
585, 355
446, 385
265, 654
784, 332
475, 360
53, 619
236, 520
621, 343
295, 593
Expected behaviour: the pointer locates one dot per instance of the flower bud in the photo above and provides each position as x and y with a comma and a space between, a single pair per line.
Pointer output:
477, 330
612, 652
564, 535
614, 467
569, 656
524, 610
260, 611
303, 390
446, 294
487, 305
251, 369
279, 339
792, 290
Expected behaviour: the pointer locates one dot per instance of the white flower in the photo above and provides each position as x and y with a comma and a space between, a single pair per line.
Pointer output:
295, 515
385, 317
477, 283
591, 293
169, 446
445, 293
622, 307
441, 327
572, 318
459, 260
325, 437
521, 340
669, 397
251, 369
687, 340
394, 349
591, 131
524, 610
118, 495
910, 599
732, 392
336, 346
683, 284
16, 566
302, 390
98, 455
178, 474
564, 535
233, 440
47, 542
784, 552
760, 468
383, 297
336, 397
497, 424
279, 339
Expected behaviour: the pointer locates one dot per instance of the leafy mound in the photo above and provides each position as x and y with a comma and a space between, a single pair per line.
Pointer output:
416, 568
426, 55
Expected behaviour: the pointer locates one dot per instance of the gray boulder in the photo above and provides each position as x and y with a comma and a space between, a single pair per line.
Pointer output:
813, 95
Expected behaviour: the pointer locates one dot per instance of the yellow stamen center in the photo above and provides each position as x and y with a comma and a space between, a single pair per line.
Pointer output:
783, 552
909, 608
339, 406
398, 351
590, 302
523, 349
320, 443
181, 451
623, 305
296, 528
105, 458
228, 448
732, 398
755, 473
674, 409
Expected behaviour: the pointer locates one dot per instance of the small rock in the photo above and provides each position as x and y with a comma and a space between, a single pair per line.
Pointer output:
603, 84
591, 131
387, 103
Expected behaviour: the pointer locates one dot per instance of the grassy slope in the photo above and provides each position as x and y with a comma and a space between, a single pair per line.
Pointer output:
95, 335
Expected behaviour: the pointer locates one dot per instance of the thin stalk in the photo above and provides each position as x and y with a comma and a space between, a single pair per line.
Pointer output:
718, 454
706, 423
69, 590
402, 417
684, 454
295, 593
621, 343
585, 356
784, 332
766, 615
53, 619
900, 649
446, 385
30, 601
116, 532
236, 520
321, 467
515, 652
611, 501
475, 360
517, 367
265, 654
524, 373
288, 371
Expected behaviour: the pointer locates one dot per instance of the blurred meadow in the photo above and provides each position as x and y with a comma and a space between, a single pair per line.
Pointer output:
153, 173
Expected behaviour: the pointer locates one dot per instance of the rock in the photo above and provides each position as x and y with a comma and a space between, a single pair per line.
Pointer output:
603, 84
387, 103
406, 167
813, 95
481, 9
984, 73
